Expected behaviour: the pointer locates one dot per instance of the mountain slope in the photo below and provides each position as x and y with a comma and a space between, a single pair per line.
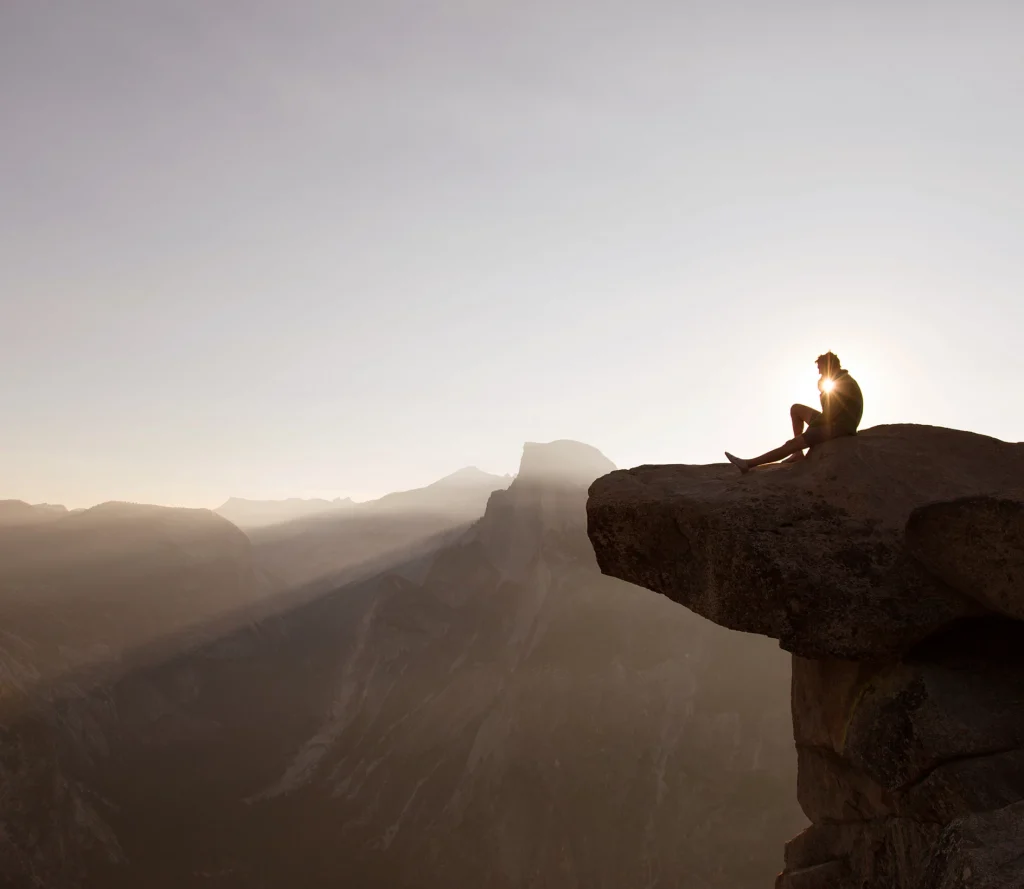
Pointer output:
90, 587
497, 715
341, 546
440, 496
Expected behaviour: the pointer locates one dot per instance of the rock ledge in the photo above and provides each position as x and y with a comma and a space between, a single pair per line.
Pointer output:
892, 565
816, 554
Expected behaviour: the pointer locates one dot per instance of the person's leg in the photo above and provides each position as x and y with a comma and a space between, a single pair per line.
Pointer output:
792, 450
793, 446
814, 435
800, 414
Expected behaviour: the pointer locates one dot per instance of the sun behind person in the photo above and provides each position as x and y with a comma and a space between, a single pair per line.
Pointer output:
842, 406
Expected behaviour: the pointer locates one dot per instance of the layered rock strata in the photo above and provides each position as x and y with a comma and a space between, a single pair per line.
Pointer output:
891, 565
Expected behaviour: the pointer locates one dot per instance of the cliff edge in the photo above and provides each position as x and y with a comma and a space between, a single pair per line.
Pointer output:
891, 565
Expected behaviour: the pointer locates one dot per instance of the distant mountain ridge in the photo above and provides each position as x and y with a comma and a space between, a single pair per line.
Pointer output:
18, 512
247, 513
343, 545
86, 588
468, 488
250, 514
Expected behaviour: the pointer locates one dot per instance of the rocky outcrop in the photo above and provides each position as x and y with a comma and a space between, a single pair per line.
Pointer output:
892, 565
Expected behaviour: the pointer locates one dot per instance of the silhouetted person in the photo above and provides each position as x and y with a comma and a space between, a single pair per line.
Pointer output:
842, 405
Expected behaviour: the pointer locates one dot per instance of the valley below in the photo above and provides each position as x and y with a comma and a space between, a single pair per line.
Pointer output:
492, 712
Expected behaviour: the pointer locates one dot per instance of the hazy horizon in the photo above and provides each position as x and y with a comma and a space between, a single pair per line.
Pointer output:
315, 250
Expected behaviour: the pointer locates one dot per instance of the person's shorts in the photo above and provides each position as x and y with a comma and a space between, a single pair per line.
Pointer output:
818, 431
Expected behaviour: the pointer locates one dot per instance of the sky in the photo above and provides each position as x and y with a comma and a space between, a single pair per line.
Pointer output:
272, 249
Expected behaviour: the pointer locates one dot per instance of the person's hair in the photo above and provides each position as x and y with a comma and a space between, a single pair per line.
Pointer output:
831, 361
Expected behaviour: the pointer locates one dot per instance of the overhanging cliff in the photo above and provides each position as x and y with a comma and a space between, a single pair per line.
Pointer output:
892, 566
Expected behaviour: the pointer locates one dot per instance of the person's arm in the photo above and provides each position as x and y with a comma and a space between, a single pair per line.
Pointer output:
822, 395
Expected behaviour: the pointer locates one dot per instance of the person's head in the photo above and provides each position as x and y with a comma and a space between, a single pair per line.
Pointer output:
828, 364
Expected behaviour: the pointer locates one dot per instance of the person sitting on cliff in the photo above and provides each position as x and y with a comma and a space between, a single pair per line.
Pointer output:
842, 405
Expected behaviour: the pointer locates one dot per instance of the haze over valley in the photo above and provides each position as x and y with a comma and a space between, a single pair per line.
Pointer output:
471, 702
368, 373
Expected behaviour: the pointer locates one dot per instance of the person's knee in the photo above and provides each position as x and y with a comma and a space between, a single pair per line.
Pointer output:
797, 411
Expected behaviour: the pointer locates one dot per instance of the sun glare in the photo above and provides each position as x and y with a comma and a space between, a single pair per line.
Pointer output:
828, 384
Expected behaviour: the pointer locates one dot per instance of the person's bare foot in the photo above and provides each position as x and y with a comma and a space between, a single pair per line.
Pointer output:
742, 465
794, 458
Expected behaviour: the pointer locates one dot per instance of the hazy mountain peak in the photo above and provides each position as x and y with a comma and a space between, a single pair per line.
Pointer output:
464, 489
562, 461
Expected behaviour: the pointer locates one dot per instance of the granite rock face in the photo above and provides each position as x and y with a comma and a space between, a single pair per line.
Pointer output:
975, 544
892, 565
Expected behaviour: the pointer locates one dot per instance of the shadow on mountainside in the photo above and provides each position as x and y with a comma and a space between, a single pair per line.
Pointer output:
496, 714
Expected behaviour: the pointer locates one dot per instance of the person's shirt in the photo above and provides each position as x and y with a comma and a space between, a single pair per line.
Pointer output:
844, 405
